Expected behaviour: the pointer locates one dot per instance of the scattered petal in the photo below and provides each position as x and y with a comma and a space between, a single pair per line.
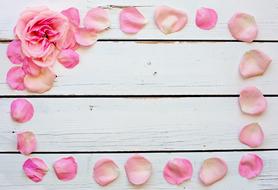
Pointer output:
250, 166
138, 170
65, 168
252, 135
178, 171
85, 37
69, 58
22, 110
35, 169
14, 52
73, 15
31, 68
252, 101
97, 19
206, 18
254, 63
15, 78
26, 142
212, 170
243, 27
105, 172
170, 20
131, 20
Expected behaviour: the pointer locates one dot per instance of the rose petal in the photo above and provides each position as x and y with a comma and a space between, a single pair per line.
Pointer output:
35, 169
252, 101
254, 63
73, 15
105, 172
65, 168
170, 20
212, 170
31, 68
85, 37
15, 78
97, 19
26, 143
41, 83
22, 110
243, 27
250, 166
131, 20
178, 171
138, 170
69, 58
252, 135
15, 53
206, 18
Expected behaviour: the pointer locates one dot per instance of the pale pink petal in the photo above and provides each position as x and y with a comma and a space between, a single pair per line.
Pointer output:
35, 169
73, 15
138, 170
212, 170
131, 20
15, 53
250, 166
252, 135
254, 63
252, 101
170, 20
243, 27
69, 58
206, 18
97, 19
85, 37
26, 142
15, 78
21, 110
178, 171
105, 172
31, 68
41, 83
65, 168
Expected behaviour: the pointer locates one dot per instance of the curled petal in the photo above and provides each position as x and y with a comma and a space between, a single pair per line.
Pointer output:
105, 172
65, 168
252, 101
41, 83
178, 171
243, 27
85, 37
252, 135
22, 110
35, 169
26, 142
250, 166
212, 170
97, 19
170, 20
138, 170
131, 20
14, 52
69, 58
15, 78
73, 16
254, 63
206, 18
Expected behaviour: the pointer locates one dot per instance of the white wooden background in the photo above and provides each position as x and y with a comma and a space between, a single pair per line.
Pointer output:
106, 106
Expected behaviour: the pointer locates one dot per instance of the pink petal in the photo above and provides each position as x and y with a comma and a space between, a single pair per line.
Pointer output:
212, 170
254, 63
138, 170
170, 20
15, 78
97, 19
14, 52
65, 168
31, 68
252, 135
69, 58
21, 110
250, 166
178, 171
131, 20
85, 37
243, 27
206, 18
35, 169
252, 101
41, 83
105, 172
73, 15
26, 143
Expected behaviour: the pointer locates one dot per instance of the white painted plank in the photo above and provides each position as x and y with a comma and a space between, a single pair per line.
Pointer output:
118, 124
265, 12
129, 68
12, 177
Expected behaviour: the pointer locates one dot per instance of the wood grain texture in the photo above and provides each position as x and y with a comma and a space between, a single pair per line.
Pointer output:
265, 12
